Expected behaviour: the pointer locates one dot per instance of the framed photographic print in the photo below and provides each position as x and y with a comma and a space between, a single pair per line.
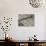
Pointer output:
26, 20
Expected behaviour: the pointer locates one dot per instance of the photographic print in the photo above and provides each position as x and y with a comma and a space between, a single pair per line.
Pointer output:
26, 20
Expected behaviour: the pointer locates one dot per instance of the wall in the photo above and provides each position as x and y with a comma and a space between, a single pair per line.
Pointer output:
12, 8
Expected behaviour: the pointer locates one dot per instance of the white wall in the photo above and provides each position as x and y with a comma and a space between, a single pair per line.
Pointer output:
12, 8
